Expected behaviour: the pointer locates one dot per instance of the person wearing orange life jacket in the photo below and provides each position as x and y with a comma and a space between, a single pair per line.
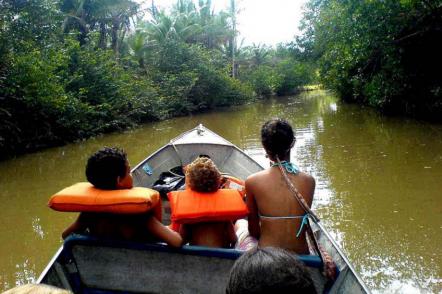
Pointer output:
205, 212
108, 169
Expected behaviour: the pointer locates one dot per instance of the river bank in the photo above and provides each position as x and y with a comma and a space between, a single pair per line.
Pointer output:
32, 144
378, 185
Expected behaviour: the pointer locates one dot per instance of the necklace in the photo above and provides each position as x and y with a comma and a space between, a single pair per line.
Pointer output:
291, 168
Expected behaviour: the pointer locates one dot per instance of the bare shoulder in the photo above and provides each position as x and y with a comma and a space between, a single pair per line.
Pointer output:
307, 178
256, 177
308, 183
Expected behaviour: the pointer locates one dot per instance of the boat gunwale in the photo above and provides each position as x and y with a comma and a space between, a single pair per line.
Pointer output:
197, 128
318, 223
342, 255
321, 228
171, 143
50, 264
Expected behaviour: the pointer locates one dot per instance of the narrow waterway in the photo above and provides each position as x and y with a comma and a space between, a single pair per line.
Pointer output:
379, 186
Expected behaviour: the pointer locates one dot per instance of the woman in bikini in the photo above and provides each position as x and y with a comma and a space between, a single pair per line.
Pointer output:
276, 218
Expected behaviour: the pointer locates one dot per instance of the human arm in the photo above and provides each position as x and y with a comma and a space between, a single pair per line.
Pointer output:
76, 227
163, 233
253, 217
230, 234
185, 233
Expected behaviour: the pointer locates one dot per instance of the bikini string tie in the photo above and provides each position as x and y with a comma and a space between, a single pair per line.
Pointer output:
291, 168
303, 222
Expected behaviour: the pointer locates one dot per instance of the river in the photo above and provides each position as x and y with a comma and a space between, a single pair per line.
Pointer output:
379, 185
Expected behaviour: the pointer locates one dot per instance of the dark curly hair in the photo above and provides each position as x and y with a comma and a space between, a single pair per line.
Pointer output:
203, 175
105, 166
269, 270
277, 137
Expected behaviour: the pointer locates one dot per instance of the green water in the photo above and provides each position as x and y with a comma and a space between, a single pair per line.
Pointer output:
379, 186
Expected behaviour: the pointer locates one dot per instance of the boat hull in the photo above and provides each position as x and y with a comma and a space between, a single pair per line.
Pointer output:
85, 264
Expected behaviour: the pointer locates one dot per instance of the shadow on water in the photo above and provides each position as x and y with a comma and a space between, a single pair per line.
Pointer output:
378, 185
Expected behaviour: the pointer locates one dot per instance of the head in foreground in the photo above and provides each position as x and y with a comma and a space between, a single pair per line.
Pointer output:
277, 138
269, 270
202, 175
108, 169
36, 289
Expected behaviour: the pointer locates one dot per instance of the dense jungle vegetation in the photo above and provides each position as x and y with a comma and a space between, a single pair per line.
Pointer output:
71, 69
385, 54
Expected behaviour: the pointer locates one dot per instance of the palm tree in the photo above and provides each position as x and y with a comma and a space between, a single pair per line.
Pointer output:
138, 47
232, 41
216, 27
110, 17
174, 27
258, 54
114, 19
76, 17
207, 28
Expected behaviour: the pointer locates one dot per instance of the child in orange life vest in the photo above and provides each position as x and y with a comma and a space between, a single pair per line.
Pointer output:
108, 169
203, 176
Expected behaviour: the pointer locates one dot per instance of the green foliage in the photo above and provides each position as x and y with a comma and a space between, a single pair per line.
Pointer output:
70, 93
174, 89
191, 78
28, 23
111, 19
277, 71
72, 69
117, 97
33, 93
263, 80
380, 53
290, 76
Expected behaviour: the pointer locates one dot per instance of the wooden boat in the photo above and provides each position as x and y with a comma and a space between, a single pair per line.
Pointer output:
89, 265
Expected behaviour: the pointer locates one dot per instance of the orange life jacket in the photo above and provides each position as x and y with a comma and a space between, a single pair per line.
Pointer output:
84, 197
189, 206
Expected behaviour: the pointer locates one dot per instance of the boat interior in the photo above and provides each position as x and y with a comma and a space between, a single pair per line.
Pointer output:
91, 265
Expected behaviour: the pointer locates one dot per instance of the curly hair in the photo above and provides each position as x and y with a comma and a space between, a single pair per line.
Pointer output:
277, 137
105, 166
203, 175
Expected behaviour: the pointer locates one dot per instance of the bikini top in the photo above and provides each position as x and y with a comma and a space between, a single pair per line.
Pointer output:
303, 222
292, 169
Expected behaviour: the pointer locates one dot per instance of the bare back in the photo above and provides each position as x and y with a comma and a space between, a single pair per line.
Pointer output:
116, 226
210, 234
268, 195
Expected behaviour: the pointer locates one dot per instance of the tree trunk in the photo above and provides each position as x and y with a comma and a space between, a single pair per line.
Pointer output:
102, 41
233, 41
114, 34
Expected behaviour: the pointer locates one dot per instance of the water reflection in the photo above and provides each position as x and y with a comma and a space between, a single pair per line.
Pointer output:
378, 187
376, 167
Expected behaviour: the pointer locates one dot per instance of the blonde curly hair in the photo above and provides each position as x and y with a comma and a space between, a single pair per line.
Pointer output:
202, 175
